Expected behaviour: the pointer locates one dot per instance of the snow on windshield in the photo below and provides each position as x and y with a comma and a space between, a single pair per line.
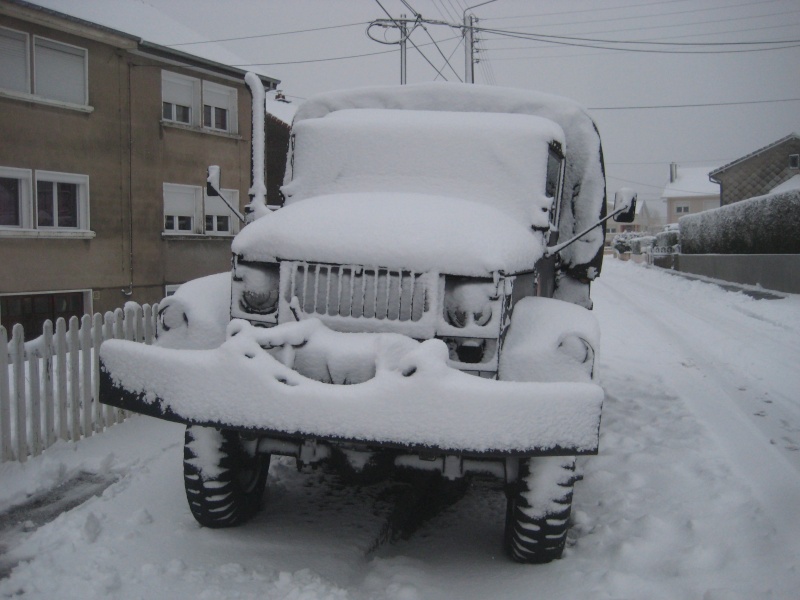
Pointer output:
496, 159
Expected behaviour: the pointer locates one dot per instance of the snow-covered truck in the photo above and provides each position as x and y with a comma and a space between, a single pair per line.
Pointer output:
416, 303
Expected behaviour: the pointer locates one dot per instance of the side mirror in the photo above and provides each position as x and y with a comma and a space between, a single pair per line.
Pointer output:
624, 205
212, 182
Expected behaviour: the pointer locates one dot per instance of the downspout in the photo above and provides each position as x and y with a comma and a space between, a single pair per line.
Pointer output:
257, 207
129, 292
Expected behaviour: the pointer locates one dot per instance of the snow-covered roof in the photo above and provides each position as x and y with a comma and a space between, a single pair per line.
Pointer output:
280, 109
143, 21
786, 186
691, 181
755, 153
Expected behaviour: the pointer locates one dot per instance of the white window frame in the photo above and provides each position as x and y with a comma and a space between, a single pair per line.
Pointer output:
82, 183
682, 209
177, 89
216, 207
223, 97
176, 205
25, 177
7, 59
42, 44
191, 201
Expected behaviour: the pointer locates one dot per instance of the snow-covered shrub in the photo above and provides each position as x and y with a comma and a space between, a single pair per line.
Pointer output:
622, 241
641, 244
762, 225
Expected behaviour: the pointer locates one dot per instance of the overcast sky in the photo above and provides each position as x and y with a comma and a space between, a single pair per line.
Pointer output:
613, 80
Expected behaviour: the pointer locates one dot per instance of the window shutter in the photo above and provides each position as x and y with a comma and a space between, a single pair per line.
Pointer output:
221, 96
14, 61
60, 71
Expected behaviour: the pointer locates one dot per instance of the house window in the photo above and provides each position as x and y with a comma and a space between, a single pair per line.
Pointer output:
180, 98
794, 161
32, 310
14, 61
188, 210
219, 218
60, 71
682, 209
15, 198
219, 107
62, 200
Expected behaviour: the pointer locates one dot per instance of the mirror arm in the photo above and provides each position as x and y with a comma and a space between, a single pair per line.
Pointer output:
212, 190
553, 250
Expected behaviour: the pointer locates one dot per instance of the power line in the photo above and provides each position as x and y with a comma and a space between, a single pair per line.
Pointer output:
694, 105
263, 35
315, 60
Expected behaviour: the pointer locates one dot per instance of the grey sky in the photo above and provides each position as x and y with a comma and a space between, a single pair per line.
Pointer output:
639, 143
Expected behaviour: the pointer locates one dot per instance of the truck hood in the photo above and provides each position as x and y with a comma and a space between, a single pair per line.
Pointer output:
397, 230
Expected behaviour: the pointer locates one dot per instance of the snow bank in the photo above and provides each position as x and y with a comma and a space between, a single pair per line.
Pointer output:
414, 398
761, 225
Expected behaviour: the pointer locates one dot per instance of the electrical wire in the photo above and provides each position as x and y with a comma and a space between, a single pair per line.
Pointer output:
703, 105
264, 35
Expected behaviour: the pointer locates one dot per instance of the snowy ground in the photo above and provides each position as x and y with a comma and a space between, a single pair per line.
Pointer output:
693, 496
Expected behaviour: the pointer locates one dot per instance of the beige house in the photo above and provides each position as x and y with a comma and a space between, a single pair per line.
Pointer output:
689, 191
105, 142
648, 219
759, 172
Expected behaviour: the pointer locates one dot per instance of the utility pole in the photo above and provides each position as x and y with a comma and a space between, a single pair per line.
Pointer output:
403, 34
469, 49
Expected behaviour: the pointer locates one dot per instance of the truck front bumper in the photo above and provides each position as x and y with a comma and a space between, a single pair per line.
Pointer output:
418, 405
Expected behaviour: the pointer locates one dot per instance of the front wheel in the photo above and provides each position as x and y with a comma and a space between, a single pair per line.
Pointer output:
224, 476
538, 509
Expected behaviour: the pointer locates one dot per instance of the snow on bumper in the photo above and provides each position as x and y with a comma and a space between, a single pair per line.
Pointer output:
413, 399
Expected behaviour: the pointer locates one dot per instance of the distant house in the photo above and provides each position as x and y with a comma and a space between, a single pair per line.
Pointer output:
648, 219
689, 191
759, 172
105, 142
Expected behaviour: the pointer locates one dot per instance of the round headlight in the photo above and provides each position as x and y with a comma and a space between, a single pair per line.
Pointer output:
260, 287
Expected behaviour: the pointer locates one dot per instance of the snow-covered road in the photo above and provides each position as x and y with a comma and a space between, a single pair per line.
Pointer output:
694, 494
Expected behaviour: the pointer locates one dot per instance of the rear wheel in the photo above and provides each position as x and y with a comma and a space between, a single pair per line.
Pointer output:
223, 475
538, 509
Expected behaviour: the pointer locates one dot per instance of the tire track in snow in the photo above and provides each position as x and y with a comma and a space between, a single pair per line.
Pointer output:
708, 388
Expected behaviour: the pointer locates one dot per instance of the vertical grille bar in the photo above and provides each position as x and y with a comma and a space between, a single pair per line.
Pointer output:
370, 292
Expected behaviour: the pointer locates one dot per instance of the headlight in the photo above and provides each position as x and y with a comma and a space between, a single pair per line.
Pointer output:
468, 301
259, 286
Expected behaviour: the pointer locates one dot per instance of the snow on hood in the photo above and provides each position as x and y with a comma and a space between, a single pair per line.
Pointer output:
410, 231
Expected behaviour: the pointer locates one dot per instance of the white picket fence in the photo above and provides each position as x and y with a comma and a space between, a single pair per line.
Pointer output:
49, 386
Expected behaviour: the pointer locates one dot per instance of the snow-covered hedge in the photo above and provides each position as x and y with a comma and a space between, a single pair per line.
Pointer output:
762, 225
667, 239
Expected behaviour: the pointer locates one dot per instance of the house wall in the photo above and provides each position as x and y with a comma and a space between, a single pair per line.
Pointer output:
695, 204
46, 137
128, 154
758, 174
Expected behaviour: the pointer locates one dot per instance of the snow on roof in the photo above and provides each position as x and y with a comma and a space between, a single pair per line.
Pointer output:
787, 186
280, 109
691, 181
143, 20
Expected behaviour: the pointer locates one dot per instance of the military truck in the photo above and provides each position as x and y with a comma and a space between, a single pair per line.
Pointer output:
419, 302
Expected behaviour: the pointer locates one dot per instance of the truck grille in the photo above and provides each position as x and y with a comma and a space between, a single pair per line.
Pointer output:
358, 292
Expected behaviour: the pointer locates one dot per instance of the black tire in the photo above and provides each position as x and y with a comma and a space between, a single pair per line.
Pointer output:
224, 480
537, 534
